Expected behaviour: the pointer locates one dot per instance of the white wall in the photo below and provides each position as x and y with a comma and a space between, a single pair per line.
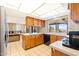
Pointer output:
13, 19
73, 26
15, 16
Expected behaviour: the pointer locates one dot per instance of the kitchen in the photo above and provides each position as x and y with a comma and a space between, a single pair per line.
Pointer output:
41, 31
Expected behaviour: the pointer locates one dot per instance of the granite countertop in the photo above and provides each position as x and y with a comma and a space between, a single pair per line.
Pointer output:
31, 33
57, 33
54, 33
14, 34
69, 51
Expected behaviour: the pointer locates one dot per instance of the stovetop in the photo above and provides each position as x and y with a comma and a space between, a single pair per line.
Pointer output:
71, 47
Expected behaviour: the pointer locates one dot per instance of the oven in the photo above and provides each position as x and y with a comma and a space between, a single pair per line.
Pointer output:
74, 39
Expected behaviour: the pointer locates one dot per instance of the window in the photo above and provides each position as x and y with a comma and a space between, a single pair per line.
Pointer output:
52, 28
58, 27
63, 27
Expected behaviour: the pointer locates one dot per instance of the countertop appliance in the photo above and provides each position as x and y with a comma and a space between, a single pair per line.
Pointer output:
72, 41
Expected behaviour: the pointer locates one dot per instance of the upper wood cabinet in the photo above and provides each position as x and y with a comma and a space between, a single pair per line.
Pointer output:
30, 21
74, 11
35, 22
42, 23
39, 23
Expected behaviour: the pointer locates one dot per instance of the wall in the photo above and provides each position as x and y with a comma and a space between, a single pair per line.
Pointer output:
55, 20
73, 26
13, 19
15, 16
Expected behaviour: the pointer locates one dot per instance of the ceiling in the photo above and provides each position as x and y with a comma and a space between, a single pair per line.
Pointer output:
37, 8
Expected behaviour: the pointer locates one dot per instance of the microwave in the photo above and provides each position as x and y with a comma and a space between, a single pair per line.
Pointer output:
73, 40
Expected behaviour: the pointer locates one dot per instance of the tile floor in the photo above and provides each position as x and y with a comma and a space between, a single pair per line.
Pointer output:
15, 49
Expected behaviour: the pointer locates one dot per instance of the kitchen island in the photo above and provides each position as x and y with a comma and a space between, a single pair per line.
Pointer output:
30, 40
57, 49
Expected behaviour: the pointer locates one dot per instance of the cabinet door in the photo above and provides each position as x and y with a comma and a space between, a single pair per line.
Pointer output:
59, 37
41, 39
37, 40
39, 23
52, 38
30, 21
42, 23
32, 41
26, 42
57, 53
74, 11
35, 22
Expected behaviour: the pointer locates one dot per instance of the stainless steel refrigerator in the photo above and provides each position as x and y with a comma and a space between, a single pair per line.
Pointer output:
3, 31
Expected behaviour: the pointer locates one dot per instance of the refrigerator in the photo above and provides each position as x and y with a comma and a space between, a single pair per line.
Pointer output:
3, 31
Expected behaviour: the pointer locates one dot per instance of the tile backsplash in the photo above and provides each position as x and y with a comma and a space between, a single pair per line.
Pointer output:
73, 26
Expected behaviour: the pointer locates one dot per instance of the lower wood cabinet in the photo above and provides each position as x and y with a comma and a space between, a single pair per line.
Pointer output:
55, 52
26, 42
29, 41
32, 41
37, 40
54, 38
40, 39
59, 37
13, 38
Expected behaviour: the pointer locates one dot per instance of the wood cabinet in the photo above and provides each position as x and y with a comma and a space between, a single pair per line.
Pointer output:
29, 41
39, 23
39, 39
13, 37
30, 21
59, 37
74, 11
26, 42
54, 38
55, 52
32, 41
35, 22
42, 23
